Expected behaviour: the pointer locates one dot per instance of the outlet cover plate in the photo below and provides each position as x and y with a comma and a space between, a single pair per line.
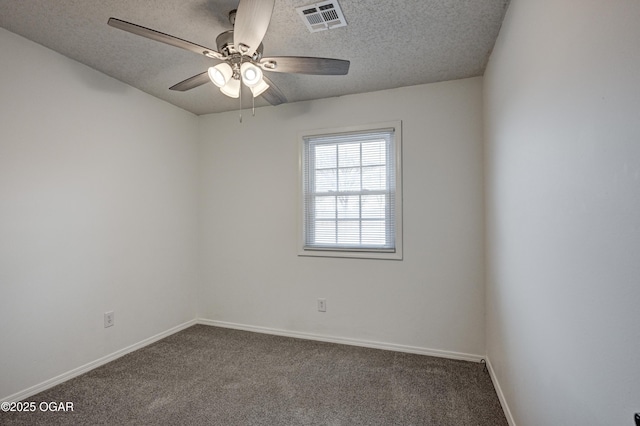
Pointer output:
322, 305
109, 319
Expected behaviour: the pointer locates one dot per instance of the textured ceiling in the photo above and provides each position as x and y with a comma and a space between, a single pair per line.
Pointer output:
389, 43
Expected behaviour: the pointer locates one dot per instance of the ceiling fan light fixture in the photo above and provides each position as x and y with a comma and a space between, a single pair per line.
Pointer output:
251, 74
232, 88
221, 74
259, 88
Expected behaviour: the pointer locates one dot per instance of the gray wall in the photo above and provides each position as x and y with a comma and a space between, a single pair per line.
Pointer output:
562, 108
433, 300
98, 209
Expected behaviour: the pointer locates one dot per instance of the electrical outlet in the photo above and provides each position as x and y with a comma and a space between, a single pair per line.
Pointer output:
109, 319
322, 305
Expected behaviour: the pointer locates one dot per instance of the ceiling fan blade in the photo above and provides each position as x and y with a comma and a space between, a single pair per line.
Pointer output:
305, 65
164, 38
192, 82
273, 95
252, 21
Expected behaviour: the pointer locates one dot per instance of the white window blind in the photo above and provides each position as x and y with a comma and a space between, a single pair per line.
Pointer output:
349, 191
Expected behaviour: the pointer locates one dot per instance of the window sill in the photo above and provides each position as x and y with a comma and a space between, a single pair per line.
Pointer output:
352, 254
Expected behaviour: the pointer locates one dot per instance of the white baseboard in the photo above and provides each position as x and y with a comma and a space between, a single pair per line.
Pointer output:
19, 396
345, 341
503, 400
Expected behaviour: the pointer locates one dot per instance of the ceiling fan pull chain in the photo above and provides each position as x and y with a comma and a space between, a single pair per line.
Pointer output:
253, 106
240, 99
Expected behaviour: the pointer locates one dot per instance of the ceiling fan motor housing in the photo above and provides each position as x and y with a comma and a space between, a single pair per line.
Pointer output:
224, 41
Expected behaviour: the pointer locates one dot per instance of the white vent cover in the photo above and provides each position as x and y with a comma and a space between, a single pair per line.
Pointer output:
324, 15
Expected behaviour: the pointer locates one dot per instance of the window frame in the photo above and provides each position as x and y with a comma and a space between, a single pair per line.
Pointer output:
363, 253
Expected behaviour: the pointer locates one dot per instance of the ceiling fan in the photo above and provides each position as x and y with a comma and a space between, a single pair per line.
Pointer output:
240, 55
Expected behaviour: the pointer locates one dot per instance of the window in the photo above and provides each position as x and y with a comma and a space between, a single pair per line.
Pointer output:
351, 192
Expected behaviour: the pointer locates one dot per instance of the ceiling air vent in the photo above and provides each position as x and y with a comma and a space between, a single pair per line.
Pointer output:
324, 15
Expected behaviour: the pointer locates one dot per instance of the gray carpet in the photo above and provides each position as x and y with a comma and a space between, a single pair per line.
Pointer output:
214, 376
